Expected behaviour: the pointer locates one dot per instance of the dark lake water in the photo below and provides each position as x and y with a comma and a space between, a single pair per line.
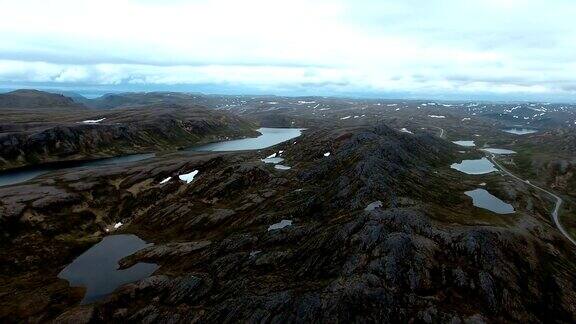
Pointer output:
520, 130
480, 166
97, 268
29, 173
269, 137
483, 199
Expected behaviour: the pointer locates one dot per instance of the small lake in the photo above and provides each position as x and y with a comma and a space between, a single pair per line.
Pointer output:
520, 130
28, 173
273, 160
465, 143
480, 166
498, 151
483, 199
97, 268
269, 137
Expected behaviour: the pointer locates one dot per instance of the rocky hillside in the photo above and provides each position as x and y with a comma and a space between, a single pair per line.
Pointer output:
420, 253
133, 99
36, 99
34, 137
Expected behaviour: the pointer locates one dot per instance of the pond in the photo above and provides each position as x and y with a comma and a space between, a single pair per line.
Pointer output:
28, 173
97, 268
520, 130
483, 199
480, 166
272, 160
268, 137
498, 151
465, 143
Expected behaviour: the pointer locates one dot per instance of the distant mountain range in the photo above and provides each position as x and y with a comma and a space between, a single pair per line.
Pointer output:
36, 99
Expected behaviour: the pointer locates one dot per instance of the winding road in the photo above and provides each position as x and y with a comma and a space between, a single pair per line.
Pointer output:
559, 201
441, 131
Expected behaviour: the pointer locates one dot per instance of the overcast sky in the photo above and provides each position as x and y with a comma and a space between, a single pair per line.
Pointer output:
417, 47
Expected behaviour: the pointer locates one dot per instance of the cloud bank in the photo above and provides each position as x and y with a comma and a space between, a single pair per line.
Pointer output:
342, 46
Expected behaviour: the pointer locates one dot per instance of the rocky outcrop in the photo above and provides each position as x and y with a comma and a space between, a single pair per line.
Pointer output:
119, 132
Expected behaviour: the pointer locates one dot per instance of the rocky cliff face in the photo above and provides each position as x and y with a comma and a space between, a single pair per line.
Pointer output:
417, 256
124, 131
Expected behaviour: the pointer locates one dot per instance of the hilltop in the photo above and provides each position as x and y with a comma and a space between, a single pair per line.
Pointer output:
31, 99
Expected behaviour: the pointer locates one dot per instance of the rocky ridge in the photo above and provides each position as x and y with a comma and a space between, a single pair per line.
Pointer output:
407, 260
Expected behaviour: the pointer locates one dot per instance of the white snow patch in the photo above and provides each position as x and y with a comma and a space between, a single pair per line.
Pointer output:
271, 156
343, 118
165, 180
93, 121
466, 119
254, 253
283, 223
405, 130
188, 177
118, 225
282, 167
374, 205
327, 154
436, 116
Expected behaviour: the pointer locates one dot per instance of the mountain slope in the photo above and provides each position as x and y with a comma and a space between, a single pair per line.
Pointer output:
62, 136
133, 99
424, 255
36, 99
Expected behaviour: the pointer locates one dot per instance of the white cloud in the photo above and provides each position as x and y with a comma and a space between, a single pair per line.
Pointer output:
442, 45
